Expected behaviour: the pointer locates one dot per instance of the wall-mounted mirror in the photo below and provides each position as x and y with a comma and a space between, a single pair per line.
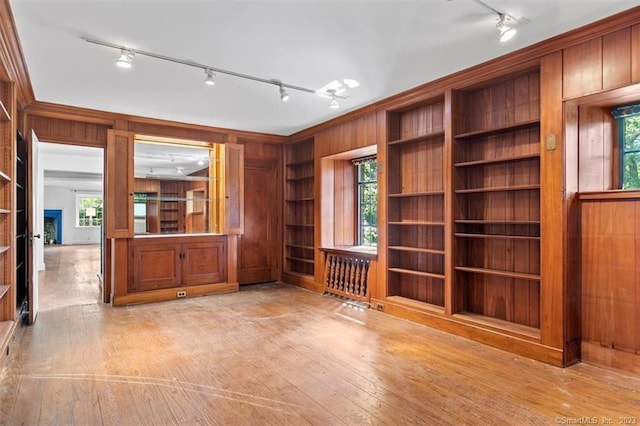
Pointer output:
178, 187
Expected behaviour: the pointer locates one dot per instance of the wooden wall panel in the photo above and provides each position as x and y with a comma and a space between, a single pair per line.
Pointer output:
616, 58
119, 178
611, 280
596, 133
355, 134
69, 131
582, 68
635, 53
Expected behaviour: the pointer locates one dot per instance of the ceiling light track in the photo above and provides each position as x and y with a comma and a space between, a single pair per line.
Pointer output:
127, 54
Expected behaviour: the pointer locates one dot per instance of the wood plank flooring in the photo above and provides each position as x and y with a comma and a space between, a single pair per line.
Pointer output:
273, 354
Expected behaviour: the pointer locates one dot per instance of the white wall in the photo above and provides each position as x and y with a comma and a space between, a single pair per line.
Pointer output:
64, 199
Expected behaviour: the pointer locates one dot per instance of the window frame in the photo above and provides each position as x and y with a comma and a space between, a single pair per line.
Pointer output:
622, 114
359, 185
99, 210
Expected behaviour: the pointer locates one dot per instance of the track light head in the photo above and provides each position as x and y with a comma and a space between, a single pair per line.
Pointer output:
284, 96
209, 81
126, 58
334, 101
506, 32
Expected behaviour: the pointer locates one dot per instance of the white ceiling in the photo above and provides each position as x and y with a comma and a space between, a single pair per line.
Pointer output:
387, 45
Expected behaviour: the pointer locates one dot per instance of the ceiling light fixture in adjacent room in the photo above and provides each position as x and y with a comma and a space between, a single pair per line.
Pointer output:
127, 54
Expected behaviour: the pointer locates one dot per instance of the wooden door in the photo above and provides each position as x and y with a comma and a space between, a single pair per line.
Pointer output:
154, 266
204, 263
259, 248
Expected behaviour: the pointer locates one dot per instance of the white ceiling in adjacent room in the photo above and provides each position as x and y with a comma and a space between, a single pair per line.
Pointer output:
388, 46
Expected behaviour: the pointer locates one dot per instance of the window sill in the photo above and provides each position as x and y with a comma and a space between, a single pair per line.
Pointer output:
367, 252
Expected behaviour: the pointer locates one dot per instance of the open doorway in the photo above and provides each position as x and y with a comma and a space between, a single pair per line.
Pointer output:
70, 211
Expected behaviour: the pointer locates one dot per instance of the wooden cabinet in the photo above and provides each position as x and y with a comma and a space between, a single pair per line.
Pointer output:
7, 230
496, 155
162, 263
415, 200
299, 208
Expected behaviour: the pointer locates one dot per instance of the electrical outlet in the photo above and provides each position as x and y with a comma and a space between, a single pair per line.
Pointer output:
181, 294
379, 307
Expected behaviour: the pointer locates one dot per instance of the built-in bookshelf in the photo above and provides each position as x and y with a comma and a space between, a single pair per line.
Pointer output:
8, 301
415, 199
171, 219
299, 208
496, 182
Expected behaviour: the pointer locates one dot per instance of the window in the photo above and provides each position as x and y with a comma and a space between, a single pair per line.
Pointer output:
367, 171
88, 211
629, 139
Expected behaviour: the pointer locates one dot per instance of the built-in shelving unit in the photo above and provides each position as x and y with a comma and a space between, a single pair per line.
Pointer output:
496, 185
170, 217
7, 230
415, 199
299, 208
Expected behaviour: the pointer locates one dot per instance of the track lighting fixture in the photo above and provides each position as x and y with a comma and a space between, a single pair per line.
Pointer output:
209, 81
125, 59
127, 54
284, 96
506, 32
504, 24
334, 101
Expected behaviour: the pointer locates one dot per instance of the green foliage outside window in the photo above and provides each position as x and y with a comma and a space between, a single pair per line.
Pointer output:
631, 152
368, 203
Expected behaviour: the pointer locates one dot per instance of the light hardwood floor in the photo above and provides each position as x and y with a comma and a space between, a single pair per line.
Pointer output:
273, 354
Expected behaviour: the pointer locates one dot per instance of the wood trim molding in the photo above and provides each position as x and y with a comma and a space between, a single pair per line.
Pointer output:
12, 56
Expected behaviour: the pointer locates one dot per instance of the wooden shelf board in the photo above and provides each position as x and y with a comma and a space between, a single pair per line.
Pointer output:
499, 236
4, 248
498, 189
295, 200
417, 222
299, 246
4, 113
5, 176
500, 324
299, 162
419, 273
3, 290
498, 222
417, 138
415, 194
300, 259
415, 304
502, 129
298, 225
508, 274
416, 249
497, 160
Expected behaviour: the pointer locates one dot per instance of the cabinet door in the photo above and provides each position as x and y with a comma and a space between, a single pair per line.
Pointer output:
204, 263
234, 188
119, 177
155, 266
